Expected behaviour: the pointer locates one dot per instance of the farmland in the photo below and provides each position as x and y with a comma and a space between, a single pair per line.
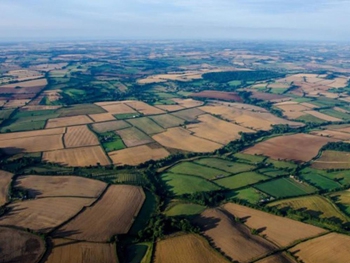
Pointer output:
5, 180
240, 180
332, 160
230, 167
79, 136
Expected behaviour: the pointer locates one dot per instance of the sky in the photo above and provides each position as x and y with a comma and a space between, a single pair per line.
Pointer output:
305, 20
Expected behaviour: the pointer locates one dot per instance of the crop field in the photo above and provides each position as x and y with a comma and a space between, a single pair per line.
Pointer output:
68, 121
20, 246
16, 135
250, 195
27, 84
240, 180
315, 205
186, 248
278, 258
120, 203
137, 155
326, 249
188, 114
322, 116
43, 214
170, 108
77, 136
101, 117
284, 187
188, 103
80, 109
332, 160
139, 253
84, 156
60, 186
251, 159
146, 125
280, 230
220, 95
318, 180
342, 200
167, 120
342, 177
233, 239
133, 137
182, 139
144, 108
332, 134
197, 170
109, 126
228, 166
117, 108
273, 172
183, 209
298, 147
68, 251
216, 130
180, 184
5, 180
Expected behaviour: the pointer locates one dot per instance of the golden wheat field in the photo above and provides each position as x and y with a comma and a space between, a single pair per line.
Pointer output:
77, 136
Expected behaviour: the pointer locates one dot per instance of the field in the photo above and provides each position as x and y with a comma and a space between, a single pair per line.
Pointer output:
186, 248
167, 120
188, 103
101, 117
80, 109
250, 195
133, 137
116, 108
60, 186
232, 238
342, 200
68, 121
19, 246
109, 126
197, 170
322, 116
330, 248
188, 114
277, 258
68, 251
220, 95
137, 155
228, 166
84, 156
179, 138
16, 135
284, 187
143, 108
319, 181
43, 214
180, 184
183, 209
139, 253
120, 203
280, 230
240, 180
146, 125
333, 134
77, 136
315, 205
297, 147
5, 180
332, 160
170, 108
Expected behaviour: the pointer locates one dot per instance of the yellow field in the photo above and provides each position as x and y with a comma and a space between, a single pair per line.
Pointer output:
186, 248
68, 251
280, 230
5, 180
188, 103
144, 108
117, 108
77, 136
60, 186
137, 155
16, 135
100, 117
170, 108
27, 84
68, 121
113, 214
179, 138
43, 214
83, 156
331, 248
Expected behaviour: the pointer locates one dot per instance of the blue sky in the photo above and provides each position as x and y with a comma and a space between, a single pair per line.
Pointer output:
176, 19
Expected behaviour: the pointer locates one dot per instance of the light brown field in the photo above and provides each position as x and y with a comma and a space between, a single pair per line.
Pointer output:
178, 76
330, 248
216, 130
49, 67
322, 116
179, 138
277, 258
339, 82
68, 121
293, 111
299, 147
110, 126
144, 108
333, 134
280, 230
32, 144
134, 137
100, 117
188, 114
40, 107
27, 84
24, 74
170, 108
26, 134
117, 108
233, 239
68, 251
84, 156
43, 214
137, 155
188, 103
340, 110
332, 160
20, 247
310, 105
167, 120
186, 248
77, 136
5, 180
15, 103
113, 214
60, 186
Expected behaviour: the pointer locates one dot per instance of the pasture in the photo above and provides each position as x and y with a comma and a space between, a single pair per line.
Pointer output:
133, 137
250, 195
240, 180
176, 208
190, 168
146, 125
225, 165
318, 180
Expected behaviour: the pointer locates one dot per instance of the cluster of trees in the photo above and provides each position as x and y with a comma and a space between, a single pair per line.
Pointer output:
337, 146
244, 76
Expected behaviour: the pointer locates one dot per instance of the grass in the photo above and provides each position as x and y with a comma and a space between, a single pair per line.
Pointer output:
319, 181
80, 109
228, 166
273, 172
180, 184
301, 100
124, 116
190, 168
284, 187
23, 125
146, 125
234, 83
250, 195
281, 164
309, 118
182, 209
114, 145
343, 177
342, 200
5, 114
248, 158
336, 114
240, 180
137, 253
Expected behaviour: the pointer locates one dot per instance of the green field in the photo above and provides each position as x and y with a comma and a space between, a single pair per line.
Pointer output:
234, 83
310, 118
336, 114
240, 180
197, 170
167, 120
139, 253
5, 114
272, 172
180, 184
319, 181
146, 125
80, 109
281, 164
250, 195
228, 166
342, 200
284, 187
114, 145
23, 125
248, 158
124, 116
183, 209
